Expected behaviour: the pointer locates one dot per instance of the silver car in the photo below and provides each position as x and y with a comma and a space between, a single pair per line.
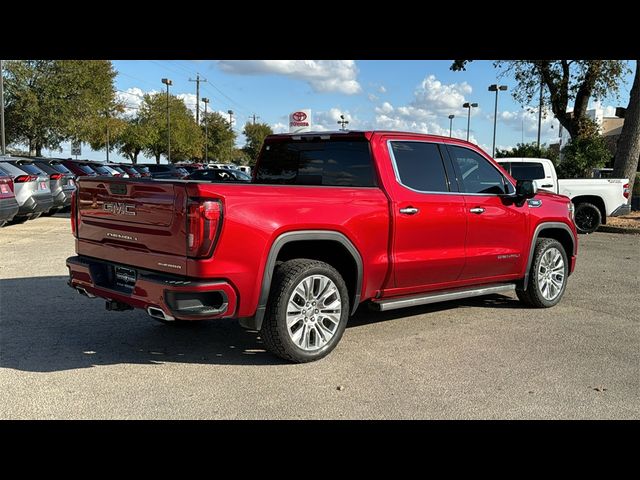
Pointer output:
31, 186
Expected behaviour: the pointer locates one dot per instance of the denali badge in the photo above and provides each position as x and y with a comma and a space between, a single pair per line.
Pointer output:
169, 265
121, 236
119, 208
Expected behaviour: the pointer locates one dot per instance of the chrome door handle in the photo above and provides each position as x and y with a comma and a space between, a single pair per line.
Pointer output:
547, 186
409, 210
477, 210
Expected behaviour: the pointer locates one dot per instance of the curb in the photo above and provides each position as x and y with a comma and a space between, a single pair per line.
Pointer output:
611, 229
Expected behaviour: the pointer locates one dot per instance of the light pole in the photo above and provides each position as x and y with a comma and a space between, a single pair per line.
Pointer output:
451, 117
4, 150
107, 113
342, 122
495, 88
230, 112
168, 83
206, 131
469, 106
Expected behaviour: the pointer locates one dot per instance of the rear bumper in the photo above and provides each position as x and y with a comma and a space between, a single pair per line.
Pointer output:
62, 199
36, 204
621, 210
8, 208
177, 297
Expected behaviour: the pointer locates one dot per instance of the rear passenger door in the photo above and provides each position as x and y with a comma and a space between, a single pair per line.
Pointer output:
429, 217
496, 226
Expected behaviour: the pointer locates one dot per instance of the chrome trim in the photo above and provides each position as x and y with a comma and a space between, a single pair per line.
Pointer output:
397, 174
477, 210
409, 210
156, 312
534, 203
443, 296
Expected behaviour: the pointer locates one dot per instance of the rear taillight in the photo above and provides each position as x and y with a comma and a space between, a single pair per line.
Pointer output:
55, 176
204, 220
626, 190
25, 178
5, 188
74, 213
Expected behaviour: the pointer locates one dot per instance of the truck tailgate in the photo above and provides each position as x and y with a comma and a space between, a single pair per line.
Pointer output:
134, 222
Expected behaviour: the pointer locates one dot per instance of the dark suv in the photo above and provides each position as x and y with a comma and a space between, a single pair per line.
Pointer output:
80, 168
167, 171
61, 181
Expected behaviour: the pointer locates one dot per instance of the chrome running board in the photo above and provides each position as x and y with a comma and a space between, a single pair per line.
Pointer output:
442, 296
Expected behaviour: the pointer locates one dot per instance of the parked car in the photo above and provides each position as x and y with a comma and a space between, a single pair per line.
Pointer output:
143, 170
80, 168
8, 203
130, 170
219, 175
102, 169
61, 182
329, 221
594, 199
226, 166
245, 169
31, 187
166, 171
118, 168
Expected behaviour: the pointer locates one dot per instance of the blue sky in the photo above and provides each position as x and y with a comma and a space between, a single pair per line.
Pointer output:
396, 94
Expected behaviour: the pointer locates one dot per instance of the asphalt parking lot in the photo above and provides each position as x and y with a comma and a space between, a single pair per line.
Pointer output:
64, 356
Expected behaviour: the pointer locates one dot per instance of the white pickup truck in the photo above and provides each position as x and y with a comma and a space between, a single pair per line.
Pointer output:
594, 199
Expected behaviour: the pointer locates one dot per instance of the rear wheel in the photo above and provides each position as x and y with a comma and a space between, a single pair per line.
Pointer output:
547, 276
307, 311
588, 217
3, 223
17, 220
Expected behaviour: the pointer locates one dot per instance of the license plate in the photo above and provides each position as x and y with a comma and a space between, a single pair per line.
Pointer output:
43, 186
4, 188
70, 182
125, 277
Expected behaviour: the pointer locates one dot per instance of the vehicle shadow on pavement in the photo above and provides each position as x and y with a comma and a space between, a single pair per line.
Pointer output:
45, 326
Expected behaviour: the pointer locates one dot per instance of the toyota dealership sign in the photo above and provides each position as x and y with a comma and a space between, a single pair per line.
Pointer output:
300, 121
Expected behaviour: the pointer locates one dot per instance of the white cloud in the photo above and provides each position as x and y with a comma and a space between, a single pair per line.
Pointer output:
322, 75
132, 99
382, 89
528, 119
372, 97
328, 120
280, 127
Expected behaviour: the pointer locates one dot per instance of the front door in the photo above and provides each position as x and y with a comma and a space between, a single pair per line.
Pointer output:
496, 226
430, 219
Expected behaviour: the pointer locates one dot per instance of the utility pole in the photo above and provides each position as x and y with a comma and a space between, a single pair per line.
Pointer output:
254, 118
540, 113
198, 80
168, 82
230, 112
206, 131
4, 150
107, 136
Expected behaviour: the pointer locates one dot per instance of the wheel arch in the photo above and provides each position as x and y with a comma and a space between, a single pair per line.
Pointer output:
595, 200
287, 246
556, 230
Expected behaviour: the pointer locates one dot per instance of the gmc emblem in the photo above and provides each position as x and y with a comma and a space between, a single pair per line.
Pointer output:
119, 208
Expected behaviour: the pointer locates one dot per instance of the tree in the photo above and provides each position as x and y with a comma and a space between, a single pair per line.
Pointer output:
51, 101
582, 155
564, 81
628, 152
134, 138
255, 134
186, 138
105, 127
529, 150
222, 139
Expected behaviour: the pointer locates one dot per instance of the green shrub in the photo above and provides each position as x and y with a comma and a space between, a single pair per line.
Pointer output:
582, 155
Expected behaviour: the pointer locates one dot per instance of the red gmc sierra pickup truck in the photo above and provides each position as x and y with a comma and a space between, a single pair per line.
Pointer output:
330, 220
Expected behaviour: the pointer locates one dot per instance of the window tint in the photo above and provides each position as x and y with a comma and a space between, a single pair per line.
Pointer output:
142, 169
59, 168
340, 162
102, 170
476, 173
29, 168
420, 166
46, 168
527, 171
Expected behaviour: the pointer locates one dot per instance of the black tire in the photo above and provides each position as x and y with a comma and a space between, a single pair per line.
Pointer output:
35, 215
588, 217
274, 330
18, 220
51, 212
533, 296
3, 223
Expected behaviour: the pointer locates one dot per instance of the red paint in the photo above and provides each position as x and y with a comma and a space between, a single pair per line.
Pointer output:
442, 246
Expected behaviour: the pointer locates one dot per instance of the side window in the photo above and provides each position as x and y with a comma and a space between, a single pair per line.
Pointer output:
476, 173
420, 166
506, 166
527, 171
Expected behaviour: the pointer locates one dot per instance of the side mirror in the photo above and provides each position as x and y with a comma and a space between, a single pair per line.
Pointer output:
526, 189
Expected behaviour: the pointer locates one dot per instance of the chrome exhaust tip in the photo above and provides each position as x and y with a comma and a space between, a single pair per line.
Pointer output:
83, 291
156, 312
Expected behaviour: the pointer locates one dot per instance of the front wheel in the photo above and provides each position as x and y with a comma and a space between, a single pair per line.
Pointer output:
547, 276
588, 217
307, 310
